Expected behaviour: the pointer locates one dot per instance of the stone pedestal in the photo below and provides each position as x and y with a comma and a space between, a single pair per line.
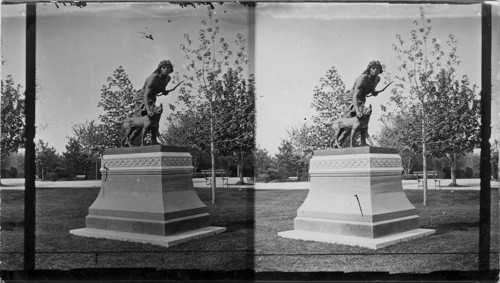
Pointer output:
356, 198
147, 195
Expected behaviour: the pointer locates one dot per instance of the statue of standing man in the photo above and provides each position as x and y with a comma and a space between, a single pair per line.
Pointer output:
364, 86
155, 85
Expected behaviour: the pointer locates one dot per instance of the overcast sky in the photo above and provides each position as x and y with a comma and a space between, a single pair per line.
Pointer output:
295, 44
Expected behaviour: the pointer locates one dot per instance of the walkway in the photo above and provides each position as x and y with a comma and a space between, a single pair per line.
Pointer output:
464, 184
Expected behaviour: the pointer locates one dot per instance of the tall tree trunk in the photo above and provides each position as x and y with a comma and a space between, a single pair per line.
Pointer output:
241, 162
424, 156
212, 151
453, 171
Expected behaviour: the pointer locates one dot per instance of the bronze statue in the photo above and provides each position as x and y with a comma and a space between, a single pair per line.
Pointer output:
155, 85
364, 86
343, 126
144, 124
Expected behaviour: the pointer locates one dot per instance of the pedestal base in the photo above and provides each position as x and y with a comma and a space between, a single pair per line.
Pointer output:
165, 241
147, 195
356, 198
358, 241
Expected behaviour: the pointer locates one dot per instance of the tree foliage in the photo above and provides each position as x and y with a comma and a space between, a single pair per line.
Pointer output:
117, 102
330, 101
48, 162
400, 131
13, 125
454, 115
91, 137
75, 160
264, 164
216, 75
189, 129
235, 118
289, 162
419, 89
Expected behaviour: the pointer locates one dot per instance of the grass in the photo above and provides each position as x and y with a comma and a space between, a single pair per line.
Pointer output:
453, 214
247, 245
61, 210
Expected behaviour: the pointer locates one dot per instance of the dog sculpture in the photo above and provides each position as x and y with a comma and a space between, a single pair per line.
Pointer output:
134, 125
343, 126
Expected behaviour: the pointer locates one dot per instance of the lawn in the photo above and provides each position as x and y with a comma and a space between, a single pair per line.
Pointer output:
453, 214
61, 210
247, 245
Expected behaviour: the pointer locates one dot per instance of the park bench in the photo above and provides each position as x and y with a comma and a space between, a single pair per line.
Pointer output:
80, 177
433, 174
218, 173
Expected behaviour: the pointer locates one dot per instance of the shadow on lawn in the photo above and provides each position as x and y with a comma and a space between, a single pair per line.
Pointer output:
11, 225
456, 226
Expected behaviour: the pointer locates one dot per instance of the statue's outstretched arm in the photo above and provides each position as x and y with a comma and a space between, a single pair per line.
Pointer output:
379, 91
166, 92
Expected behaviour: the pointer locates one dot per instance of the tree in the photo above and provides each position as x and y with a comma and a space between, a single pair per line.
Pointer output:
12, 116
420, 61
208, 60
189, 129
495, 172
330, 101
235, 119
263, 162
93, 139
401, 131
289, 163
117, 102
46, 161
12, 123
74, 159
455, 115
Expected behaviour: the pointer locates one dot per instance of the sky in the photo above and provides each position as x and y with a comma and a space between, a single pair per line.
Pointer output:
295, 44
78, 49
308, 39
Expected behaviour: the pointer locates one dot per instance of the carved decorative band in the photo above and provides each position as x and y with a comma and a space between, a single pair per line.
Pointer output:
148, 162
355, 163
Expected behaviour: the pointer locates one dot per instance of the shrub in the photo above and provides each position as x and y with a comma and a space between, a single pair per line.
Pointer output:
13, 172
52, 176
468, 172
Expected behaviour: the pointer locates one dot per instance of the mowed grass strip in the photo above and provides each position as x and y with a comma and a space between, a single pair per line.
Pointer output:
246, 244
60, 210
453, 214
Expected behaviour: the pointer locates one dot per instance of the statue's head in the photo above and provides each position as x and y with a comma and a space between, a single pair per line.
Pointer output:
166, 66
374, 64
158, 109
367, 111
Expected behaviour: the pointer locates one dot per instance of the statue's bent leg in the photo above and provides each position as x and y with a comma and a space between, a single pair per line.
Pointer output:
367, 136
132, 136
363, 138
142, 135
154, 130
340, 140
353, 131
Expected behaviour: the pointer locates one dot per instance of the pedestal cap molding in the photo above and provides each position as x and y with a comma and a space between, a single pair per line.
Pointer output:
356, 150
365, 163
